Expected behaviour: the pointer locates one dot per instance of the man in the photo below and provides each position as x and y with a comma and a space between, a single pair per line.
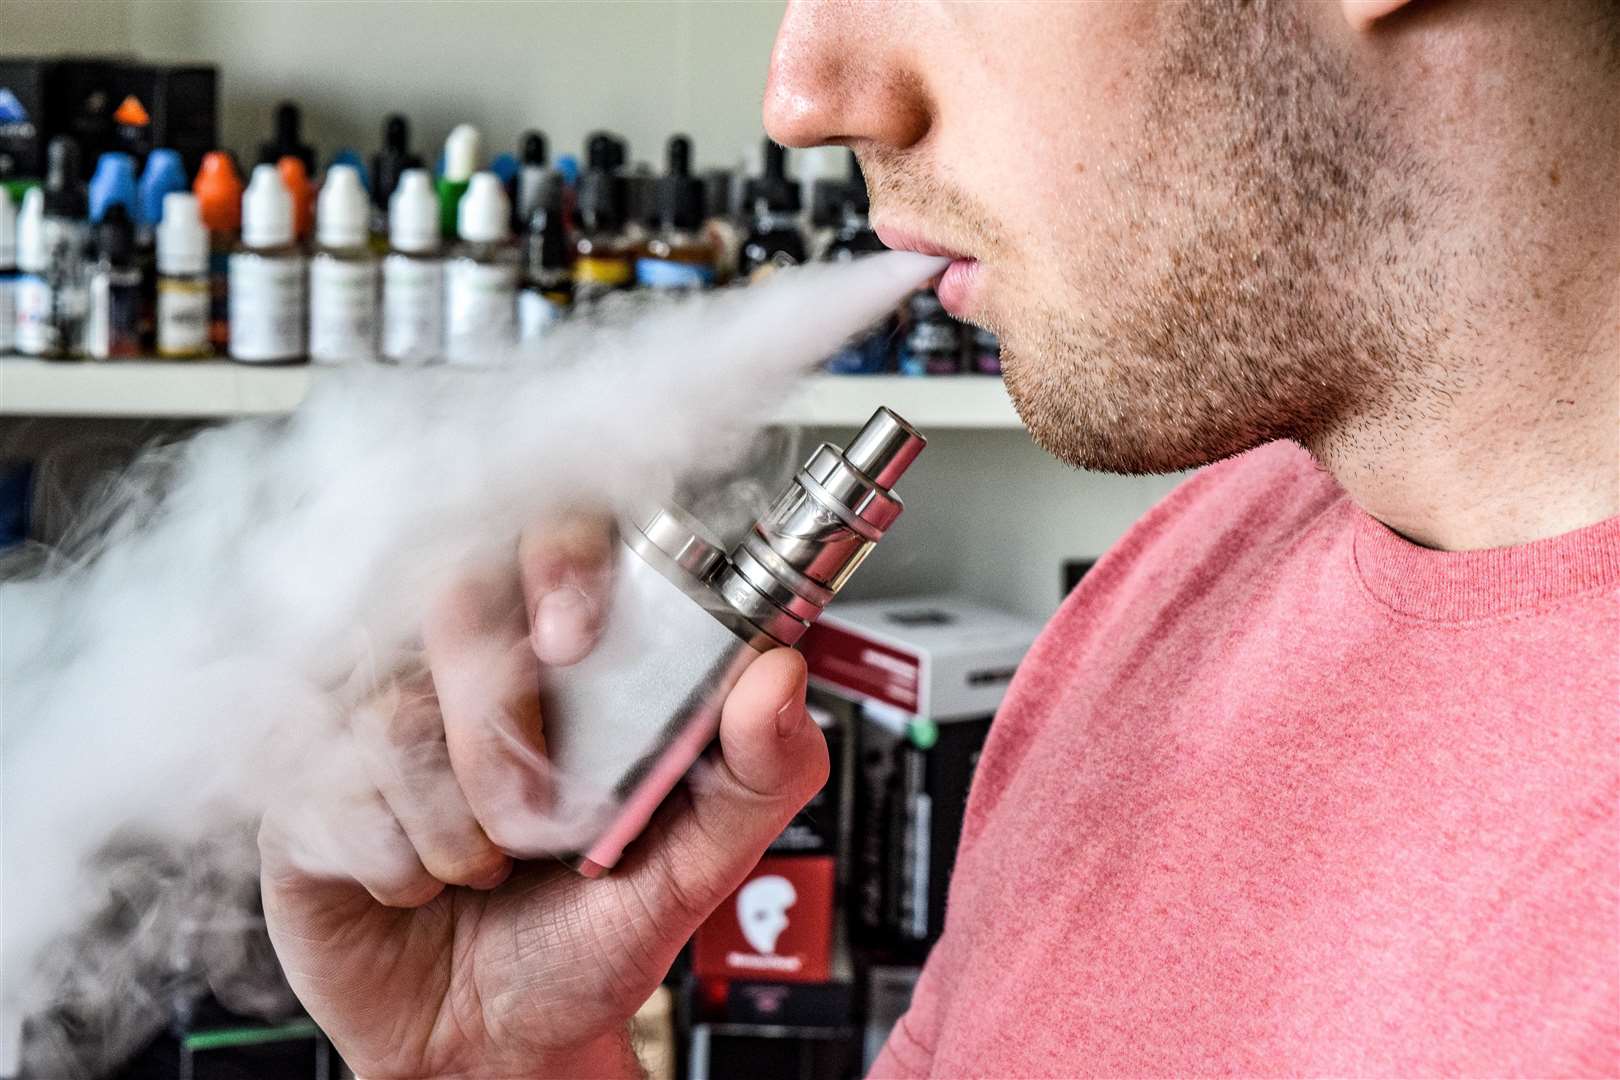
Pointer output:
1317, 772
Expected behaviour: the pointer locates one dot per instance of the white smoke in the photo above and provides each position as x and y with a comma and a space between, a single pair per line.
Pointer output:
248, 590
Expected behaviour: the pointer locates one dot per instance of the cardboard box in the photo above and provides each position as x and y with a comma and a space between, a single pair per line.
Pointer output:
941, 657
105, 103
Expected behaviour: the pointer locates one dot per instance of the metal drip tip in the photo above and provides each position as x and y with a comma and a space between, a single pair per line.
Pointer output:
797, 557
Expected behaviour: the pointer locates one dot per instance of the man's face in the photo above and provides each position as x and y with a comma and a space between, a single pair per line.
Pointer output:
1189, 231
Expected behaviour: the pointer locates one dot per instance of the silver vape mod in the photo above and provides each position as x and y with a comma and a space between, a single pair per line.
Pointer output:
686, 618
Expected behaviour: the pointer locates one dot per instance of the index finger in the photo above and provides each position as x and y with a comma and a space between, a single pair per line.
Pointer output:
566, 567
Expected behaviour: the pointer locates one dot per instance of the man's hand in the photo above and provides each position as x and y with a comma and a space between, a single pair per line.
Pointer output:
436, 956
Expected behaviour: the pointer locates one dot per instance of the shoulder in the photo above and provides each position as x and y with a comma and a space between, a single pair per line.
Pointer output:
1226, 521
1198, 549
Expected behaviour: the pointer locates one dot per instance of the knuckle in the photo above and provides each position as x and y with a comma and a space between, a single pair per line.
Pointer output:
475, 864
406, 891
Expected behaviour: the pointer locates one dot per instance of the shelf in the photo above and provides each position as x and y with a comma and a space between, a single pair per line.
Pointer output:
218, 389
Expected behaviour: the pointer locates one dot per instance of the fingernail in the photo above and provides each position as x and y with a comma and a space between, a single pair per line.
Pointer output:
562, 626
789, 718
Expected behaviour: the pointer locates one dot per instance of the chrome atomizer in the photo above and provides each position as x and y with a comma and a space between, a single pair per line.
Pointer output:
687, 617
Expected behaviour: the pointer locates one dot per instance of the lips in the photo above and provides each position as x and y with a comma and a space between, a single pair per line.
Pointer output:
956, 284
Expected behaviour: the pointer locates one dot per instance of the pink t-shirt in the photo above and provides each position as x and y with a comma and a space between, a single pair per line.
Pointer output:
1280, 793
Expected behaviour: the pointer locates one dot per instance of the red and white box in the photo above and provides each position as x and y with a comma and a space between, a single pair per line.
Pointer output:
777, 926
942, 657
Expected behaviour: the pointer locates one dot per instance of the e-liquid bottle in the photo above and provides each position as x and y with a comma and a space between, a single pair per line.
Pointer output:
603, 261
113, 328
288, 140
679, 255
164, 174
774, 239
548, 282
342, 273
461, 149
387, 166
218, 188
267, 276
481, 280
720, 223
184, 287
8, 271
112, 184
853, 238
413, 274
296, 178
933, 341
533, 175
53, 324
31, 295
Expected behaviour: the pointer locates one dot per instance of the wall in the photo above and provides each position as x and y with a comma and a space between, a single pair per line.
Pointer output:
31, 27
643, 69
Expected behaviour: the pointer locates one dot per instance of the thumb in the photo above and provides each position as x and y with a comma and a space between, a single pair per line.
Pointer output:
772, 759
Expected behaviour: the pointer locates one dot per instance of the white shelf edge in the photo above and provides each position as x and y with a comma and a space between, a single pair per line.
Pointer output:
222, 390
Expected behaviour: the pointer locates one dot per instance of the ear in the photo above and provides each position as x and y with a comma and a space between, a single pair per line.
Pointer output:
1361, 14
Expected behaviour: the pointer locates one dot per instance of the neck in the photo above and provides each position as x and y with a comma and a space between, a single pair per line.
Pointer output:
1521, 444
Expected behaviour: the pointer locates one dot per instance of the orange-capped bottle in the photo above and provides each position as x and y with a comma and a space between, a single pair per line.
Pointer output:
218, 188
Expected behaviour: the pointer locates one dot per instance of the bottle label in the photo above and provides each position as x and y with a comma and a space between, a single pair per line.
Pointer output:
342, 310
113, 327
595, 277
669, 274
8, 310
184, 307
412, 309
36, 331
480, 319
267, 307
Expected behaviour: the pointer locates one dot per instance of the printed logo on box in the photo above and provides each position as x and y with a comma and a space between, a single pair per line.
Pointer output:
777, 926
14, 122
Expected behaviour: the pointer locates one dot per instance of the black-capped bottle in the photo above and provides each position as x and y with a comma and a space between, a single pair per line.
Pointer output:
933, 340
52, 244
388, 164
678, 255
845, 210
534, 174
603, 261
773, 201
548, 279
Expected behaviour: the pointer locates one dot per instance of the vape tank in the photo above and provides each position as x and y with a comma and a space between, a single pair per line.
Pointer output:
686, 618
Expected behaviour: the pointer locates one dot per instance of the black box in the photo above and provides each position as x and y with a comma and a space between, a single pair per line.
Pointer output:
909, 803
106, 103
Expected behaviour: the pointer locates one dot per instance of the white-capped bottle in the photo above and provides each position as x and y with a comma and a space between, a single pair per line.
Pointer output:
413, 274
8, 271
33, 335
481, 280
267, 276
184, 288
342, 273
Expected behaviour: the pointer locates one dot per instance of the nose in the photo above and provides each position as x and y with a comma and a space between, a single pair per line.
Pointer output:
841, 73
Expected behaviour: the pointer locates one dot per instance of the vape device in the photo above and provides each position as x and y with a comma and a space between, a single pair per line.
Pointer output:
686, 618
